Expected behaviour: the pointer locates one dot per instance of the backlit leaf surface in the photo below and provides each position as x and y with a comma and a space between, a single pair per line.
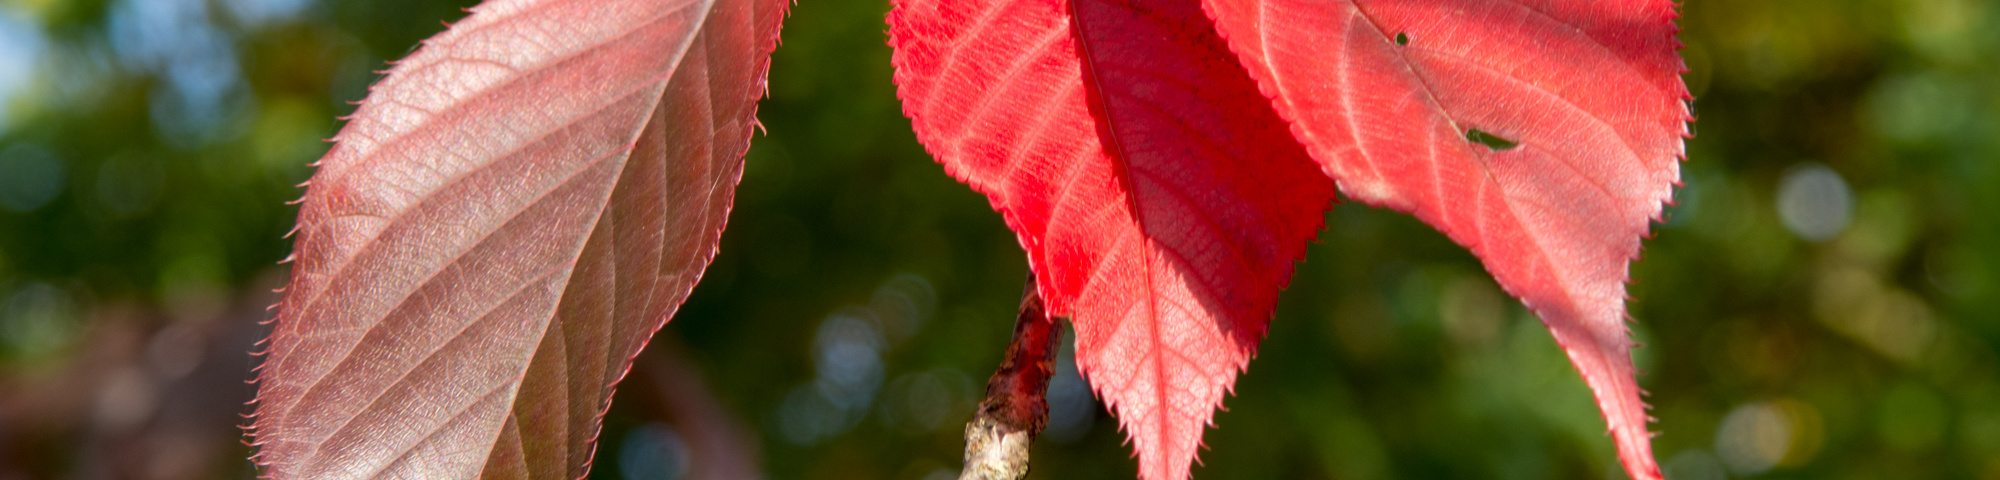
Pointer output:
508, 217
1120, 150
1384, 93
1159, 198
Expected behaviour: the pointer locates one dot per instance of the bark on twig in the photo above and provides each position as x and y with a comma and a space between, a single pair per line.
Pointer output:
1016, 408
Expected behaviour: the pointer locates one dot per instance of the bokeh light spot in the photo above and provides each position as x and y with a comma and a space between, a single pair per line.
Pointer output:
257, 13
920, 403
37, 319
1814, 202
1759, 436
1694, 465
1072, 407
1918, 107
653, 452
21, 46
177, 40
904, 303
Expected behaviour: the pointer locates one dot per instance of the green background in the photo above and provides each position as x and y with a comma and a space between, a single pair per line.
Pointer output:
1823, 302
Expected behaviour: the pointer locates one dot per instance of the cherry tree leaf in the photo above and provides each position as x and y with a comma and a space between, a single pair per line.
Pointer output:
1160, 199
1397, 99
505, 221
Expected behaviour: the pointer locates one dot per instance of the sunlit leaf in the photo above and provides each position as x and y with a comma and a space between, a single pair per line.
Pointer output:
502, 225
1544, 135
1160, 199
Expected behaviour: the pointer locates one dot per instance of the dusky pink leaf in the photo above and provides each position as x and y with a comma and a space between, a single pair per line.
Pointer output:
1159, 198
504, 222
1385, 94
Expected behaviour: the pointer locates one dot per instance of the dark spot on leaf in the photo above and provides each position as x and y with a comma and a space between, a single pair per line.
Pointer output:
1489, 140
1402, 39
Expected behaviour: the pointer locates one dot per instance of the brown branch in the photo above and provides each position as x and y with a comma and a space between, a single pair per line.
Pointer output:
1016, 406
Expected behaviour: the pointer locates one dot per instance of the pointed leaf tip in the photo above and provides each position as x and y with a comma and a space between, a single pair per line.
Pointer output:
1589, 93
1160, 199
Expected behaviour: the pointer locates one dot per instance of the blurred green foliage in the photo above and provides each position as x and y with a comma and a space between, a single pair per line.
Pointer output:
1823, 302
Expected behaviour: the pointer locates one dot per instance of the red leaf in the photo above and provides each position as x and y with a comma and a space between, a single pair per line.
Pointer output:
506, 220
1159, 198
1589, 89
